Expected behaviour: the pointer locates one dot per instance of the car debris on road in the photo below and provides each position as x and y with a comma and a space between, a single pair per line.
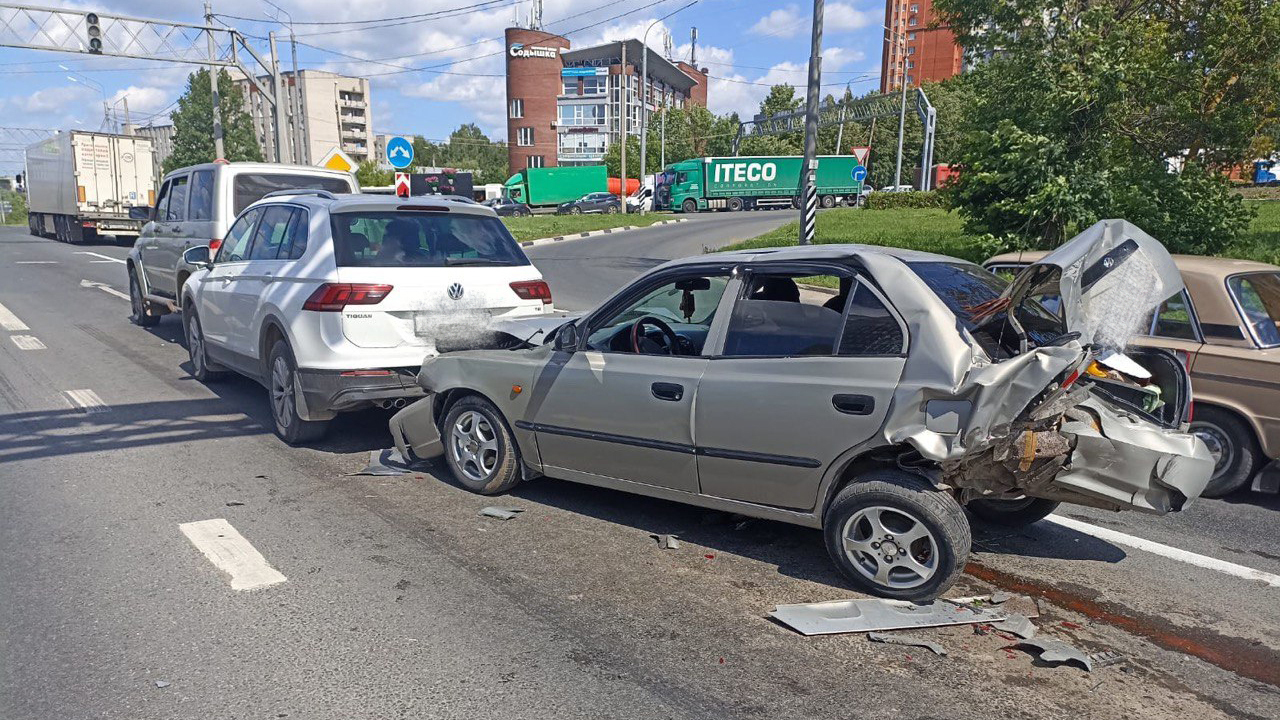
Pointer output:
908, 640
666, 542
1057, 652
870, 614
501, 513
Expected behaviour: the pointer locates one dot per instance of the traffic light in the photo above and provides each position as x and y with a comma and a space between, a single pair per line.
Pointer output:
94, 32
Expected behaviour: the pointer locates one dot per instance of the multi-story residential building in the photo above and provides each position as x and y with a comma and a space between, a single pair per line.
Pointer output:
916, 46
161, 142
335, 112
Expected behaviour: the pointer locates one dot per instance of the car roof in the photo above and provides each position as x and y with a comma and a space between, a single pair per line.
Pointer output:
366, 202
1210, 267
841, 251
274, 168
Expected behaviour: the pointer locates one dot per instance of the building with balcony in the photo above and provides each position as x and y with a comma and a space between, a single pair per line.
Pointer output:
565, 107
334, 112
916, 46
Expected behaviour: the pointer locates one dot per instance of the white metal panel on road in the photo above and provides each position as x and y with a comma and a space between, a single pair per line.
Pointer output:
227, 549
10, 322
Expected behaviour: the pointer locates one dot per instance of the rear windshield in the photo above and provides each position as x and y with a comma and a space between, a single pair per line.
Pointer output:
412, 239
1258, 296
966, 289
249, 188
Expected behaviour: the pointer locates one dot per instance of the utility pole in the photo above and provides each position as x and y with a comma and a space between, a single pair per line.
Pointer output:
840, 132
301, 149
626, 88
277, 111
808, 173
902, 115
219, 152
662, 162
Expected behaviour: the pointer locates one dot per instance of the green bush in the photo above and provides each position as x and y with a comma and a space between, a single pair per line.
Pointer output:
18, 215
913, 199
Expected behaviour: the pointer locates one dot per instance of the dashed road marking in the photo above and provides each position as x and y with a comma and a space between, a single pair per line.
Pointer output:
104, 288
35, 262
86, 401
227, 549
27, 342
1167, 551
100, 255
10, 322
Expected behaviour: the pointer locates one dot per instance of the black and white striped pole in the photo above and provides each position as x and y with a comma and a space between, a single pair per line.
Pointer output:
808, 173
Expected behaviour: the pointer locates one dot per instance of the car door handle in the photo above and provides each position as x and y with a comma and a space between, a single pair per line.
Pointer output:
225, 279
854, 404
667, 391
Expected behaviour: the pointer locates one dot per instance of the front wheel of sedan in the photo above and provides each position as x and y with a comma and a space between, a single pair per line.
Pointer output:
894, 535
479, 447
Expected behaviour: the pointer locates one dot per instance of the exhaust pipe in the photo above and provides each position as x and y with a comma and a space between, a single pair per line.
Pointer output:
399, 403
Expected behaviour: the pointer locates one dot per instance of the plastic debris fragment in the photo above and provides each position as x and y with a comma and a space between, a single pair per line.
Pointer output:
1058, 652
500, 512
907, 640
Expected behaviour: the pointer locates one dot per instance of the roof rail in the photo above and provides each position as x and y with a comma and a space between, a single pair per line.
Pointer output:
302, 191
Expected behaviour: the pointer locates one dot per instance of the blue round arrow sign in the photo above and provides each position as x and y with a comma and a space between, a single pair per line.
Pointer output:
859, 174
399, 152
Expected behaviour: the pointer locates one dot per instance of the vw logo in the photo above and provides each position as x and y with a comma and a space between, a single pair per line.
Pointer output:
455, 291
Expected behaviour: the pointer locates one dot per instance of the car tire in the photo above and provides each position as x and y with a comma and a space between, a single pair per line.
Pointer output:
612, 209
882, 507
479, 448
138, 305
575, 210
197, 350
282, 371
1231, 443
1012, 513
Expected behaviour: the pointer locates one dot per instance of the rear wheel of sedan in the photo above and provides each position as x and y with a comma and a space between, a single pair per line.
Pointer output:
479, 448
1012, 513
1230, 442
894, 535
282, 386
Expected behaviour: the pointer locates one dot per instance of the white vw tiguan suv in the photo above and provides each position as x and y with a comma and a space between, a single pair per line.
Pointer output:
333, 301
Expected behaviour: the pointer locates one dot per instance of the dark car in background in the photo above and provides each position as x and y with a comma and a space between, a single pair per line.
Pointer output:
506, 207
597, 202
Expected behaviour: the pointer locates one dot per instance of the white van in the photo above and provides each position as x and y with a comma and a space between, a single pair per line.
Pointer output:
196, 206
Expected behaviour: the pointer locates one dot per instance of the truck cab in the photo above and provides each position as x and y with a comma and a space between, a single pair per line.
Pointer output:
686, 186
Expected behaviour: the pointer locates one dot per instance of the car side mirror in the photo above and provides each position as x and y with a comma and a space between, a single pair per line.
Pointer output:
567, 337
140, 212
198, 256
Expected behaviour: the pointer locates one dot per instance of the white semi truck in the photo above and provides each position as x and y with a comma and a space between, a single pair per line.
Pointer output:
82, 184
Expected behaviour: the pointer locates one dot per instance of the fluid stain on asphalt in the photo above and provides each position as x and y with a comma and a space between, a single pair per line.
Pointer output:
1238, 655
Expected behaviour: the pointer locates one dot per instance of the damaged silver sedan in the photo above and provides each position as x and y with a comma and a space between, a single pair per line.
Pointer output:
870, 392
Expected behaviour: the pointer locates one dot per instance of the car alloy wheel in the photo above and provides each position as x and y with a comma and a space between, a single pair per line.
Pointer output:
282, 392
890, 547
474, 446
195, 345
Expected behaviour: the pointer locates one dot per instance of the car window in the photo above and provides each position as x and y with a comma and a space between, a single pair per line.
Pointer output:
1173, 319
296, 244
419, 239
201, 204
774, 318
272, 233
248, 188
869, 327
1258, 297
687, 305
162, 204
967, 290
235, 247
177, 210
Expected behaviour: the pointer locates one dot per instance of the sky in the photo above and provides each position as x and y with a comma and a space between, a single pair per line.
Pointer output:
430, 75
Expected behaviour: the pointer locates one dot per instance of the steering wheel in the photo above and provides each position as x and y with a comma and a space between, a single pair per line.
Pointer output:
637, 337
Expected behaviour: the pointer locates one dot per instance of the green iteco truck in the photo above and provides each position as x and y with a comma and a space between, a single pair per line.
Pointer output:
745, 183
548, 187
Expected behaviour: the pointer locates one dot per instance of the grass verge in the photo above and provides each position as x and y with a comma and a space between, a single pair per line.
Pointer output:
541, 226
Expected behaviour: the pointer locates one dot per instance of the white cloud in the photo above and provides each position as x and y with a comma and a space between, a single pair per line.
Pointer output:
843, 17
784, 22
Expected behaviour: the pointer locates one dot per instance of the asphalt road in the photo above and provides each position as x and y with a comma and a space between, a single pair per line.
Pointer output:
401, 602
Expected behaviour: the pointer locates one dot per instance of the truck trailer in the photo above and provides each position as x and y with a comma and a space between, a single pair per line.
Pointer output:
82, 184
548, 187
746, 183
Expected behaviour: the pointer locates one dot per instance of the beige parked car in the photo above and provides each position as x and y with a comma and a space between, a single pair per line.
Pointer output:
1228, 322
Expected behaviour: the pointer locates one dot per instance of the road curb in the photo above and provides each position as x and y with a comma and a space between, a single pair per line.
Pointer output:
590, 233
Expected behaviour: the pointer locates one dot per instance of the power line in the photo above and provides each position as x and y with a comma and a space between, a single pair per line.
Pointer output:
376, 20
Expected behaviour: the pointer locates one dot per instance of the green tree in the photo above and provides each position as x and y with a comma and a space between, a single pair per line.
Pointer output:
193, 124
613, 157
17, 214
1085, 108
467, 148
371, 175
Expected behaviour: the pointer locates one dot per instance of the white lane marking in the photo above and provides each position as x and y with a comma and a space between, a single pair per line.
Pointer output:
231, 553
100, 255
10, 322
102, 262
35, 262
1168, 551
104, 288
27, 342
86, 401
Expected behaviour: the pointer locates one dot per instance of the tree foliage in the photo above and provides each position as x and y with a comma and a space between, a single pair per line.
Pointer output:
370, 174
193, 124
1108, 108
467, 148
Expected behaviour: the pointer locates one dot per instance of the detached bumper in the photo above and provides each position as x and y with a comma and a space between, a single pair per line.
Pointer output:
414, 429
331, 390
1268, 479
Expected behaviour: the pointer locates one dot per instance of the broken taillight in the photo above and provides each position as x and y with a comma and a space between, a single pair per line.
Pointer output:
533, 290
333, 297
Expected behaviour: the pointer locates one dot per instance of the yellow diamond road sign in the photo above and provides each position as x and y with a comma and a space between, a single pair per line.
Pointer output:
335, 159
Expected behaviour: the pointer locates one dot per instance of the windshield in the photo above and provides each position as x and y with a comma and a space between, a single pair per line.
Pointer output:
249, 188
969, 291
413, 239
1258, 297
